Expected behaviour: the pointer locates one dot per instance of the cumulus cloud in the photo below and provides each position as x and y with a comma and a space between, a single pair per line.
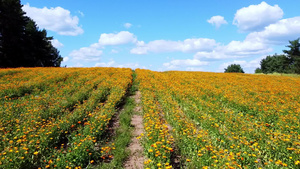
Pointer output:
103, 64
194, 69
55, 19
56, 43
184, 63
65, 59
77, 65
93, 52
243, 63
279, 32
120, 38
248, 66
217, 21
246, 48
188, 45
256, 17
86, 54
127, 25
112, 63
235, 49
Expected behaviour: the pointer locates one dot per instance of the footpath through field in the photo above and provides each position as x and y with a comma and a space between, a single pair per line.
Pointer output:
136, 159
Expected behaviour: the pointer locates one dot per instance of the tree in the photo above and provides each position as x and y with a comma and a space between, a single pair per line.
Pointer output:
12, 26
293, 55
234, 68
289, 62
275, 63
22, 44
41, 53
258, 70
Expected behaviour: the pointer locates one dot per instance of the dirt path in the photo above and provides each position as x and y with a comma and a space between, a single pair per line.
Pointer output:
136, 159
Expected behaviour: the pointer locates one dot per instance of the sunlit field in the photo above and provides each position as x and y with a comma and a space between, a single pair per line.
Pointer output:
221, 120
53, 117
57, 118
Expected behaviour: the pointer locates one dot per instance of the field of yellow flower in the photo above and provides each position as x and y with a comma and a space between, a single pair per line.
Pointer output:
56, 118
217, 120
53, 117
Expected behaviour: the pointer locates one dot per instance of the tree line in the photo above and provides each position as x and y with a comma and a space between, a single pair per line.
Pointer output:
22, 44
289, 62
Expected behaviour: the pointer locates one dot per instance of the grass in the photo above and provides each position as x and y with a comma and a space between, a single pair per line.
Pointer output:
279, 74
123, 133
122, 137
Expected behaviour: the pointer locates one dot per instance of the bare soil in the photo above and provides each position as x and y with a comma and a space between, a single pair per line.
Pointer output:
136, 159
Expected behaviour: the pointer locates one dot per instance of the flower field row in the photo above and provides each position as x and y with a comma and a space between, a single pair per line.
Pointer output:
229, 120
62, 118
157, 141
62, 125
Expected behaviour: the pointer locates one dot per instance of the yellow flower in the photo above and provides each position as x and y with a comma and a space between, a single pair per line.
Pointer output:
36, 153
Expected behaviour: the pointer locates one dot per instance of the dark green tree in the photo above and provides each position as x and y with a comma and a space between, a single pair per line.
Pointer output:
234, 68
258, 70
12, 26
22, 44
42, 53
293, 55
275, 63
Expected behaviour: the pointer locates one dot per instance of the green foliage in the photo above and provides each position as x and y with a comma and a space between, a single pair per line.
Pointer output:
294, 55
22, 44
287, 63
234, 68
258, 70
275, 63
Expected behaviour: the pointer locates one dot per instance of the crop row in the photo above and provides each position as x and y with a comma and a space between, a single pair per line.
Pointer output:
212, 129
157, 141
59, 124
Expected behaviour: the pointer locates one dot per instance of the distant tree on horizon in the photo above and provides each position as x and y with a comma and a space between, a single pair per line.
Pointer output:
234, 68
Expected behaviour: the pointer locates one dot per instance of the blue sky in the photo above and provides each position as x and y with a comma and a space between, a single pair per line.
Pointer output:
166, 35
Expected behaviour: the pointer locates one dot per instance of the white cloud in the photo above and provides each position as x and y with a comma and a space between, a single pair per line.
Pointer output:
217, 21
127, 25
93, 52
246, 48
86, 54
66, 59
77, 65
114, 51
279, 32
56, 43
55, 19
247, 66
183, 63
120, 38
256, 17
103, 64
235, 49
112, 63
194, 69
243, 63
188, 45
81, 13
